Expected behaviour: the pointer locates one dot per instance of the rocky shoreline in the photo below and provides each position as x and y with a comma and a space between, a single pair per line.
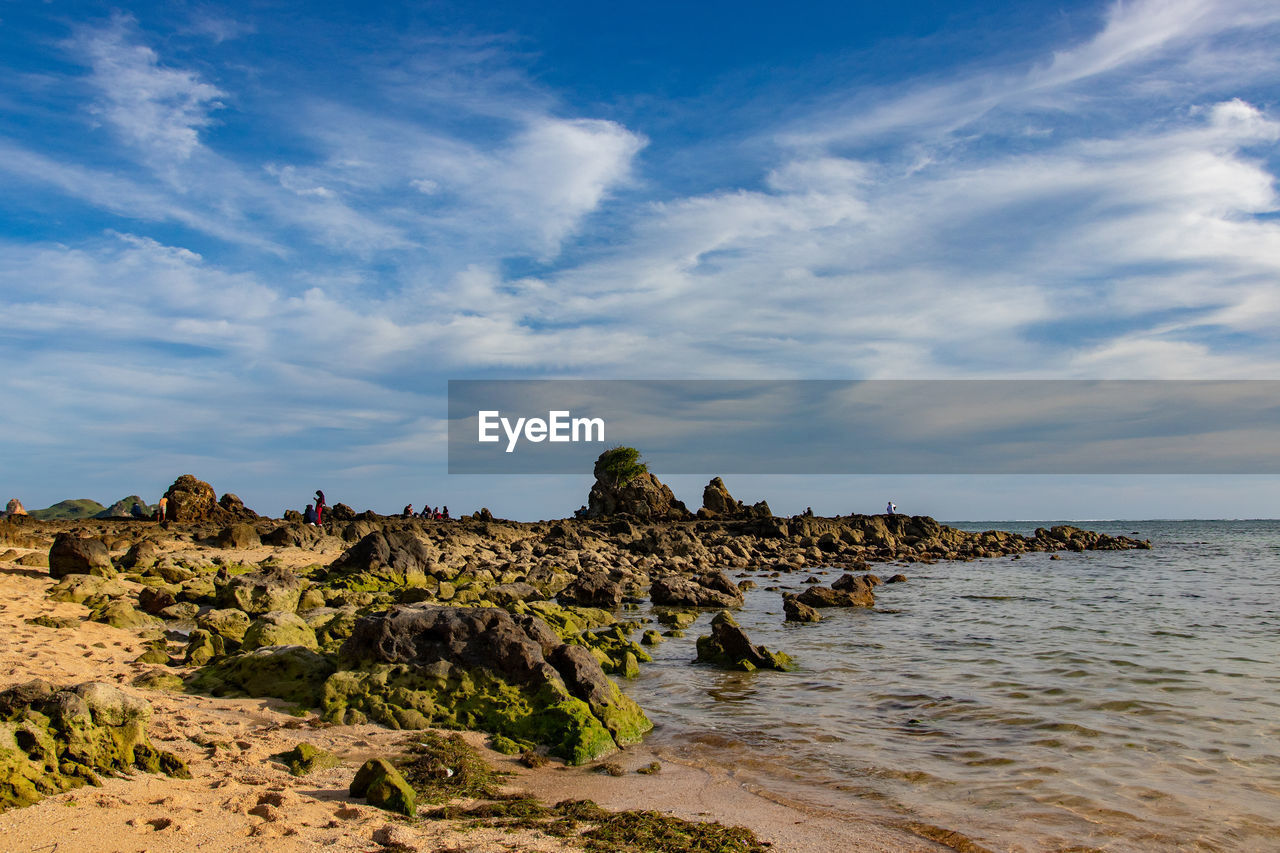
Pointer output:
519, 630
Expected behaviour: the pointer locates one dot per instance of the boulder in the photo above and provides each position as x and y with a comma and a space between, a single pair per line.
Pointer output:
235, 508
73, 555
624, 486
54, 740
418, 665
848, 591
274, 588
593, 589
797, 611
718, 503
141, 555
240, 535
119, 613
230, 624
203, 646
190, 500
728, 647
278, 629
89, 590
708, 589
379, 782
305, 759
293, 673
383, 558
294, 534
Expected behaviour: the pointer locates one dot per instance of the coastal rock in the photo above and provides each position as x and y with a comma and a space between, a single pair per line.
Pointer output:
418, 665
235, 508
383, 558
130, 507
707, 589
847, 591
278, 629
625, 487
119, 613
729, 647
797, 611
141, 555
74, 555
274, 588
89, 590
718, 503
190, 500
294, 534
228, 623
240, 535
592, 589
53, 740
293, 673
382, 785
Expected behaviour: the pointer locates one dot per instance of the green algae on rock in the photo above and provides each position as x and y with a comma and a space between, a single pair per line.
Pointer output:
53, 740
382, 785
293, 673
306, 758
419, 665
728, 647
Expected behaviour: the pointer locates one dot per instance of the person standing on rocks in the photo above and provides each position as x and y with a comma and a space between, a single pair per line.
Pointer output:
162, 509
891, 509
320, 508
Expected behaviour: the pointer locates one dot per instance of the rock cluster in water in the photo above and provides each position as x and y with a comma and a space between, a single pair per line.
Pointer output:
509, 627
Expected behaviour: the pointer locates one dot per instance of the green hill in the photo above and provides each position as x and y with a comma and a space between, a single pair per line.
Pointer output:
82, 508
123, 508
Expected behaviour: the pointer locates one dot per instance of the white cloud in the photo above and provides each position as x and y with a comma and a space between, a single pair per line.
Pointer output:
158, 109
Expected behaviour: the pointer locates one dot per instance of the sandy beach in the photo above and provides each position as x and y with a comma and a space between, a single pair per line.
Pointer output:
239, 796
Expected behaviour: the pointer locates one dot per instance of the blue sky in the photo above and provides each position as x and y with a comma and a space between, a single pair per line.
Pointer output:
253, 241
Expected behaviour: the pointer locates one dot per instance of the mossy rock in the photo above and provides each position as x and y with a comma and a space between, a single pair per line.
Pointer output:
293, 673
450, 697
677, 619
728, 647
89, 590
230, 624
278, 629
382, 785
203, 646
55, 740
152, 655
47, 621
304, 759
159, 680
121, 614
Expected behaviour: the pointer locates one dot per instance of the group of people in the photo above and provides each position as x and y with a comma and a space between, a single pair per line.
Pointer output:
438, 513
314, 513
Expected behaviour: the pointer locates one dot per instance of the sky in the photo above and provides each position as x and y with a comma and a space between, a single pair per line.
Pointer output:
254, 241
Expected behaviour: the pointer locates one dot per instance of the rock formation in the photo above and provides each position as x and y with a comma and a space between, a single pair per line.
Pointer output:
728, 647
718, 503
625, 487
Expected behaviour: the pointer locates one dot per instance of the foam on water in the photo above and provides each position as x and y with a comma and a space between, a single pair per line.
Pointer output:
1117, 700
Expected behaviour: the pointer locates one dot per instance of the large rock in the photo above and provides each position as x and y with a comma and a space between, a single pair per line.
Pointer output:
708, 589
54, 740
73, 555
632, 491
797, 611
728, 647
847, 591
379, 782
278, 629
142, 555
235, 508
274, 588
593, 589
382, 559
240, 535
190, 500
718, 503
89, 590
293, 673
419, 665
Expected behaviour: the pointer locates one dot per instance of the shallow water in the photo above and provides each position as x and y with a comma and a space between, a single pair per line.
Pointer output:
1109, 700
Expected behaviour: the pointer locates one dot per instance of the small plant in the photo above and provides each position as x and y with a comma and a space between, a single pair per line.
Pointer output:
622, 464
440, 767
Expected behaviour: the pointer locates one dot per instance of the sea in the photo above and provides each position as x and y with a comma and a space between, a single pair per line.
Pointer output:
1111, 700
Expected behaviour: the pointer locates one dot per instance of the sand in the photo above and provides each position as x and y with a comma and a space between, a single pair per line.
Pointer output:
240, 799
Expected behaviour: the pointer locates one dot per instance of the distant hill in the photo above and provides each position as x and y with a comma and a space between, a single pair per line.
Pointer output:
82, 508
123, 508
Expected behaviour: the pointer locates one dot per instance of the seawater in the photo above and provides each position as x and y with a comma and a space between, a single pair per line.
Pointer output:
1105, 700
